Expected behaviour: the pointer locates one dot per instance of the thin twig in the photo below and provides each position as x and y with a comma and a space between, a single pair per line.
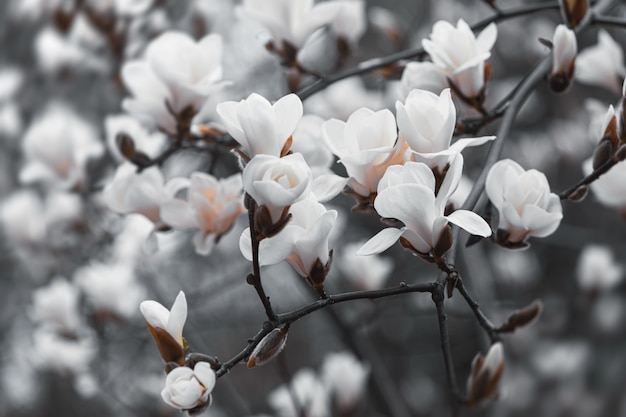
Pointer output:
484, 322
601, 170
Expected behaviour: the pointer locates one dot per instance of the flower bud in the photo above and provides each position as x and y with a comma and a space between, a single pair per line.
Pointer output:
484, 378
189, 389
563, 58
268, 348
573, 11
166, 327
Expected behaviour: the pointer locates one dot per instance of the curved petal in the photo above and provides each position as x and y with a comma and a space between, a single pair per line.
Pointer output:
382, 241
471, 222
178, 316
288, 112
178, 214
155, 313
487, 38
205, 375
271, 250
327, 186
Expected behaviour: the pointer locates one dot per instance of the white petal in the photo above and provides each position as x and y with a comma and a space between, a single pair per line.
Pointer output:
178, 214
178, 316
288, 111
327, 186
382, 241
205, 375
471, 222
155, 313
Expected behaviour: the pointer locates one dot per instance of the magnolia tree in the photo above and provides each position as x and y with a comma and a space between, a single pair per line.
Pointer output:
266, 167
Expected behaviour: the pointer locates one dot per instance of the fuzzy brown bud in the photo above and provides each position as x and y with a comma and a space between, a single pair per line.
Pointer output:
268, 348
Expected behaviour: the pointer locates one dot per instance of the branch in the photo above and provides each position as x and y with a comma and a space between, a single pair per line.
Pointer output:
597, 173
376, 63
484, 322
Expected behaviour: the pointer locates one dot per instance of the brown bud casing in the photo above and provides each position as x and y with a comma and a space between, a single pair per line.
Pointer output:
573, 11
485, 376
170, 349
268, 348
522, 317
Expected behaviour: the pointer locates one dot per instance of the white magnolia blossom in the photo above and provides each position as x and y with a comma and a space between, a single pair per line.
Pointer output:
309, 391
426, 121
365, 273
407, 193
462, 54
57, 147
366, 145
294, 21
55, 306
172, 321
346, 378
564, 52
525, 205
122, 8
110, 288
276, 182
53, 351
424, 76
302, 242
55, 52
177, 70
11, 80
150, 144
260, 127
187, 388
610, 188
603, 64
597, 270
142, 193
212, 205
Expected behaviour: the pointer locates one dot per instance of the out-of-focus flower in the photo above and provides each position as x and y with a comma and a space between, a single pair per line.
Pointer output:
310, 393
11, 80
343, 98
407, 193
57, 147
276, 183
457, 50
166, 326
212, 206
561, 360
177, 72
142, 193
53, 351
563, 58
597, 270
187, 388
56, 306
424, 76
610, 188
55, 52
365, 273
260, 127
346, 378
485, 376
110, 288
602, 65
524, 202
365, 145
149, 144
426, 121
125, 8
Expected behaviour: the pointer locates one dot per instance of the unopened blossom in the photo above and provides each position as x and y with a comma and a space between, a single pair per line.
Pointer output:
142, 193
366, 144
484, 379
176, 72
110, 288
602, 64
346, 378
365, 273
149, 143
260, 127
426, 121
462, 54
212, 205
276, 183
187, 388
424, 76
407, 193
525, 205
55, 306
166, 327
308, 390
563, 58
573, 11
57, 147
597, 270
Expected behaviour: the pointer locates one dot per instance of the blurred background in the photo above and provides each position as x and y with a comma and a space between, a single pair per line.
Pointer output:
73, 272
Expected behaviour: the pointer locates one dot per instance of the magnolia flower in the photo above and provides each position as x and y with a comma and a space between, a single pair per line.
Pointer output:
524, 202
212, 206
603, 64
187, 388
166, 326
260, 127
57, 147
142, 193
423, 76
366, 273
276, 183
485, 376
597, 270
426, 121
56, 306
346, 378
610, 188
150, 144
563, 58
176, 72
54, 351
365, 145
407, 193
308, 390
458, 51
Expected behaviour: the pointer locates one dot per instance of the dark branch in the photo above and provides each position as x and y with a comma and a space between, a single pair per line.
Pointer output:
597, 173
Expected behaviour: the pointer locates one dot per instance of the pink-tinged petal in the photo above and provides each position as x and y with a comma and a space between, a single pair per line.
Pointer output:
288, 112
205, 375
203, 243
178, 214
487, 38
178, 316
382, 241
154, 313
327, 186
470, 222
